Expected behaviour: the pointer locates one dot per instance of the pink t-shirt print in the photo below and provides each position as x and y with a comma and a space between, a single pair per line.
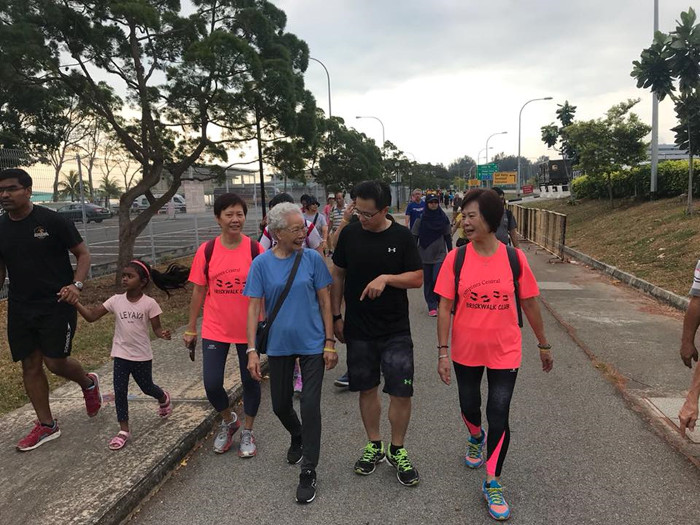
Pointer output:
225, 306
485, 330
132, 323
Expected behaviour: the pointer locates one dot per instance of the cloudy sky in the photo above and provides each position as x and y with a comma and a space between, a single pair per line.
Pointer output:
444, 75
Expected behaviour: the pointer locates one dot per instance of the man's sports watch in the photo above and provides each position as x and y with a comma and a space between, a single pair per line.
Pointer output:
79, 285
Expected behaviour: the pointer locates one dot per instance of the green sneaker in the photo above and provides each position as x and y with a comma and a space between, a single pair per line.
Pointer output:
405, 472
371, 456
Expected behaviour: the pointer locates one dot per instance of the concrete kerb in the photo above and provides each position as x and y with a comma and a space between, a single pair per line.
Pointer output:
670, 298
122, 509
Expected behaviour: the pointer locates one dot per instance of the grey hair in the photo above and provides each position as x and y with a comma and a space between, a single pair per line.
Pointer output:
277, 218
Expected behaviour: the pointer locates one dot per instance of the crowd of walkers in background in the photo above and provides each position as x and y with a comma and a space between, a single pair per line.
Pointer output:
280, 296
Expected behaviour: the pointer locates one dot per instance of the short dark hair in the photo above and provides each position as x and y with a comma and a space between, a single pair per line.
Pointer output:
490, 206
226, 201
375, 190
498, 190
24, 179
280, 197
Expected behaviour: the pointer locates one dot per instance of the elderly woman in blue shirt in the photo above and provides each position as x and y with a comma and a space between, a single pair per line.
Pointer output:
302, 329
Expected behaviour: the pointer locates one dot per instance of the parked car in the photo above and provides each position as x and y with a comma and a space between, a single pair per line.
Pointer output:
92, 212
141, 203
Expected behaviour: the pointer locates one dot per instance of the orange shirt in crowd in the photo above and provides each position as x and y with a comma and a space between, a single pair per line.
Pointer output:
485, 329
225, 306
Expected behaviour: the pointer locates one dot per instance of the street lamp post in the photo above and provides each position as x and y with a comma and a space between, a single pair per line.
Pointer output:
487, 143
328, 76
478, 157
520, 117
382, 123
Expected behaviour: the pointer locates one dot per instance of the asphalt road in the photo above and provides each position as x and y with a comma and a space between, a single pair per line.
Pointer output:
168, 234
578, 454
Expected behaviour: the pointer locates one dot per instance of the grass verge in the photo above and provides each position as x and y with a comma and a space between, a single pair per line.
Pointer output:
93, 341
655, 241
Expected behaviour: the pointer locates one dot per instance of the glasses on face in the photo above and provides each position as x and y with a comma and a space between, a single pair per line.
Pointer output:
10, 189
366, 214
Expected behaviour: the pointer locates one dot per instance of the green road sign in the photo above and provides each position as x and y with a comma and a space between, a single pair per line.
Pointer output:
486, 171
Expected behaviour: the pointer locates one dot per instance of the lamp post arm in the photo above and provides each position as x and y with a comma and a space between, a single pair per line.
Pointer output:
328, 77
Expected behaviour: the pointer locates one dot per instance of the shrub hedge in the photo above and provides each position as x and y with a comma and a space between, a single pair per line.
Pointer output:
672, 180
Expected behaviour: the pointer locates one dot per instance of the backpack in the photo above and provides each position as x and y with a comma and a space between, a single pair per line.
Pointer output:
209, 251
515, 269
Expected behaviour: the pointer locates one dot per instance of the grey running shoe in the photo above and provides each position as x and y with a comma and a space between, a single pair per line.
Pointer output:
247, 448
343, 381
224, 438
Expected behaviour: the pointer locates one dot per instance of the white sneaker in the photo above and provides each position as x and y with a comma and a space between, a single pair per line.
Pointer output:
224, 438
247, 448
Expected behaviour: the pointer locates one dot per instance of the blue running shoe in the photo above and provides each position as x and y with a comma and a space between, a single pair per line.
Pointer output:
474, 457
493, 493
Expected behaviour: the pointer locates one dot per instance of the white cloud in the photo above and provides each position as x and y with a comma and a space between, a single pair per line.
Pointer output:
445, 74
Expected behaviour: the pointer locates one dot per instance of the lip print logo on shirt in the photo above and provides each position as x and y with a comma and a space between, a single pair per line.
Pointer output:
40, 233
225, 284
492, 300
391, 250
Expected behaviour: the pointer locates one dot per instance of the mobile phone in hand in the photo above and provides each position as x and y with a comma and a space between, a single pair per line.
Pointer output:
191, 348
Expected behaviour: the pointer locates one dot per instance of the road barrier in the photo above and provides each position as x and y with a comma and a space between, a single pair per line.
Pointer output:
543, 227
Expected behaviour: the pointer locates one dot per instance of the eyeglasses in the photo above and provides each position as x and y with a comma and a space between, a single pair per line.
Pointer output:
11, 189
366, 214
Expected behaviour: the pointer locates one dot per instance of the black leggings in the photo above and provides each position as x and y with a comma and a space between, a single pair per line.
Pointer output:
500, 391
142, 371
214, 354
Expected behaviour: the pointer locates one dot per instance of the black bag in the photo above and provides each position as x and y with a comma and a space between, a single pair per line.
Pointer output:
263, 331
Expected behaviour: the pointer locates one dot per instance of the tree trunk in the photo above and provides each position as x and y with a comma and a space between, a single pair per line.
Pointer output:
57, 173
610, 191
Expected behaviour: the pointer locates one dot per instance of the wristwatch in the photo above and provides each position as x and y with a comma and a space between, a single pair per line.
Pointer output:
79, 285
337, 317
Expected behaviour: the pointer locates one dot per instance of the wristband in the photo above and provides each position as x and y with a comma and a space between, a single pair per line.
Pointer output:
187, 332
442, 346
443, 356
250, 350
544, 347
337, 317
332, 350
331, 340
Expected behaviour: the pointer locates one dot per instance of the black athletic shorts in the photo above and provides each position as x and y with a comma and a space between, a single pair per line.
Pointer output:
46, 327
391, 356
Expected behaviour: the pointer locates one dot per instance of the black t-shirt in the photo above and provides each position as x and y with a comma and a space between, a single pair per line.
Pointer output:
365, 256
35, 253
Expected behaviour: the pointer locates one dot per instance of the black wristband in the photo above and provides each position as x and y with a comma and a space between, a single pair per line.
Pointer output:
442, 346
329, 339
337, 317
544, 347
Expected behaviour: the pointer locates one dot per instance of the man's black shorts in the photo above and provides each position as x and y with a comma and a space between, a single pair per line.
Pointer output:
391, 356
46, 327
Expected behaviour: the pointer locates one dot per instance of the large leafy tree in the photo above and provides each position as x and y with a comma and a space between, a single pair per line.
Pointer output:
344, 156
606, 145
191, 81
553, 134
670, 67
463, 167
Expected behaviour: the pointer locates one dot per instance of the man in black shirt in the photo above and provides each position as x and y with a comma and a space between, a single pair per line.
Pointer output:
375, 262
41, 321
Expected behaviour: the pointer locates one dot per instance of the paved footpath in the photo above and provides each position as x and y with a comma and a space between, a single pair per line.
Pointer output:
579, 453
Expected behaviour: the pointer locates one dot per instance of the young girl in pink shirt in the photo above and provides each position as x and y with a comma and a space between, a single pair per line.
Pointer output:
131, 346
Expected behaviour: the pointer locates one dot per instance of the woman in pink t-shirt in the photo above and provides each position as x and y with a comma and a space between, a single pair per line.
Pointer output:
219, 273
134, 311
486, 335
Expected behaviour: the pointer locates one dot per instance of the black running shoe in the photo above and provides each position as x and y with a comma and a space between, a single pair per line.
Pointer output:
306, 491
405, 472
294, 453
370, 457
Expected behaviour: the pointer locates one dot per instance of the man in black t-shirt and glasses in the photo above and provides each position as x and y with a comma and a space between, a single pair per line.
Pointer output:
41, 318
375, 262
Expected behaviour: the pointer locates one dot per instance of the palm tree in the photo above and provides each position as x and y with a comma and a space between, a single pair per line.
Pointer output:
109, 189
70, 186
